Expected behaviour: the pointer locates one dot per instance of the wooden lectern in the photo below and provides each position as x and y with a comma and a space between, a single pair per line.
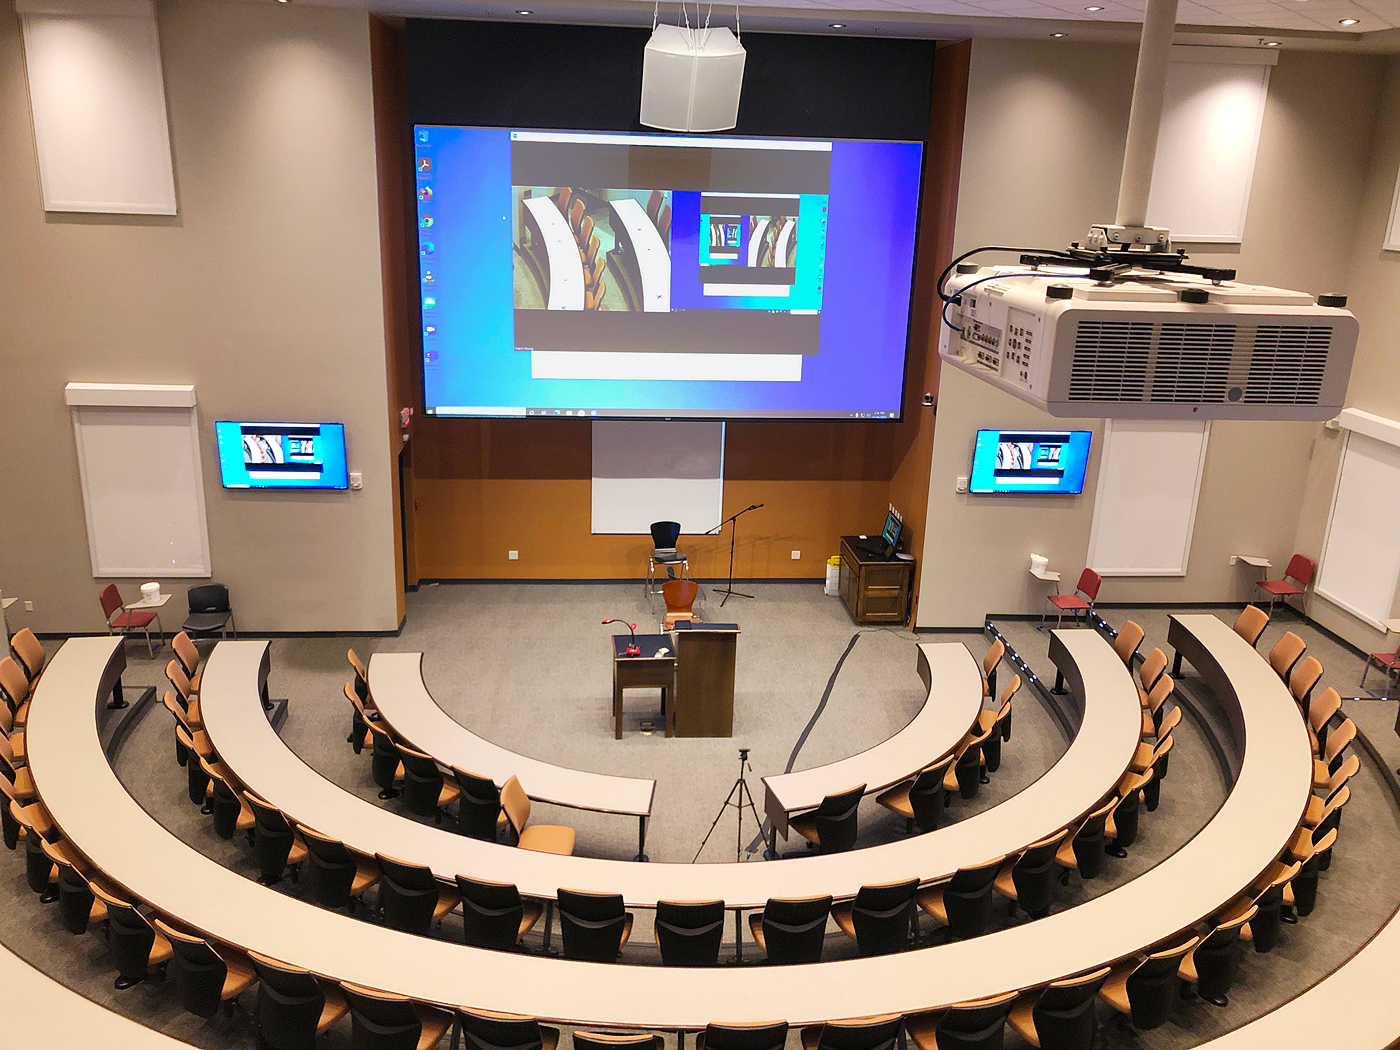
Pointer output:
704, 702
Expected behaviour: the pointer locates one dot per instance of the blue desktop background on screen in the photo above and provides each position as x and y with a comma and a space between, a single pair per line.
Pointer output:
469, 314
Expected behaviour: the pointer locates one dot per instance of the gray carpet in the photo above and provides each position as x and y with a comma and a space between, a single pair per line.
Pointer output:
527, 665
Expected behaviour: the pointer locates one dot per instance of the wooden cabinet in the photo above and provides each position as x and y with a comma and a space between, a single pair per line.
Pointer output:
874, 590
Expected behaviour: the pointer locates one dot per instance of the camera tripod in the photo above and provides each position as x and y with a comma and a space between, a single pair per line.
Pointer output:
738, 797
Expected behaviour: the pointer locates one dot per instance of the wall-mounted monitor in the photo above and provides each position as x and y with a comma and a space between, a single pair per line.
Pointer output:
282, 455
665, 276
1030, 462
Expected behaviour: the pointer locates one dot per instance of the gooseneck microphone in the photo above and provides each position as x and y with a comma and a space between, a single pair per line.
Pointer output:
633, 649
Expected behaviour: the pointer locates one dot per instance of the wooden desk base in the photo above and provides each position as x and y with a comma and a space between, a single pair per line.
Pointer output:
637, 673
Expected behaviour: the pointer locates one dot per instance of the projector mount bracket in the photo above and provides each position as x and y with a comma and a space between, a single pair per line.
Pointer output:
1110, 264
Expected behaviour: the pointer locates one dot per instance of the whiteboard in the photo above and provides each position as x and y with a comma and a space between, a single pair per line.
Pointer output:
657, 470
1361, 554
1212, 114
1145, 504
143, 490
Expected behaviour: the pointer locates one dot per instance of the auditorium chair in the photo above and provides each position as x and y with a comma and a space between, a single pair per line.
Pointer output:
880, 917
479, 812
593, 297
1320, 713
30, 653
294, 1006
1157, 761
1061, 1017
182, 745
134, 942
595, 927
426, 792
832, 826
39, 870
334, 877
688, 933
487, 1030
383, 1021
1028, 882
616, 1041
1145, 991
764, 1035
494, 915
231, 812
1308, 847
663, 223
1295, 581
542, 838
1333, 755
965, 775
1084, 850
1251, 623
583, 235
124, 621
792, 929
979, 1024
276, 845
410, 898
963, 905
654, 203
10, 827
360, 717
1086, 592
1130, 636
14, 686
863, 1033
197, 780
361, 676
1154, 665
188, 656
561, 199
1306, 673
995, 652
1286, 652
206, 977
992, 722
78, 906
385, 766
1263, 928
1210, 966
184, 692
575, 214
920, 801
1155, 709
1123, 822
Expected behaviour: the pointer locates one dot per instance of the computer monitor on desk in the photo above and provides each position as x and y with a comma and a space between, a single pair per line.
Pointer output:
888, 543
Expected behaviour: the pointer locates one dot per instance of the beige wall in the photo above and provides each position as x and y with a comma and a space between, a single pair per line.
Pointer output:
1043, 150
264, 293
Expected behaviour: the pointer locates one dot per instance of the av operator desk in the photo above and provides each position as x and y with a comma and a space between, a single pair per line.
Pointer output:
874, 590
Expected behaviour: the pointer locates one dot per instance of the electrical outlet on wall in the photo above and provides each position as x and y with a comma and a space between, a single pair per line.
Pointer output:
357, 480
28, 606
513, 555
796, 555
961, 485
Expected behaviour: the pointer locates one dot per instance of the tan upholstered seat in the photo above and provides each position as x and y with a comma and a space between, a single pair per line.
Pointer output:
542, 838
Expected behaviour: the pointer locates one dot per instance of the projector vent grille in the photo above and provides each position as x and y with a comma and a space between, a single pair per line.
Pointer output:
1110, 360
1193, 363
1288, 364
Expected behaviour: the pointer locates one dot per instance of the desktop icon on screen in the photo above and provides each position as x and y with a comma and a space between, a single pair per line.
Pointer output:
429, 302
425, 163
426, 221
428, 248
422, 134
425, 194
427, 276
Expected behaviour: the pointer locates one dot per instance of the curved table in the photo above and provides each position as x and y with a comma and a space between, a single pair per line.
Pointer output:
1091, 767
404, 704
551, 229
105, 824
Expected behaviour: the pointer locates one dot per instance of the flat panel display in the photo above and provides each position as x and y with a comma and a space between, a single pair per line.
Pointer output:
1030, 462
282, 455
619, 275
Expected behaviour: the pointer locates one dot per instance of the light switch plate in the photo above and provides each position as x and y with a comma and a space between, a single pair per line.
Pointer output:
357, 480
962, 485
796, 555
513, 555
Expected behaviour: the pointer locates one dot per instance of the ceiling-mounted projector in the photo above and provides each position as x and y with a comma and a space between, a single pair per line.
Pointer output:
1149, 345
691, 79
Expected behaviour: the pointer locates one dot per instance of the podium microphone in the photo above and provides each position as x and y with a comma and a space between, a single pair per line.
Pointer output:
633, 649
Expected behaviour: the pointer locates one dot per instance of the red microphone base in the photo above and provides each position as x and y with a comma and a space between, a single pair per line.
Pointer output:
633, 650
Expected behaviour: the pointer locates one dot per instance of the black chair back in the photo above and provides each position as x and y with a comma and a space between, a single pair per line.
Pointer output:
199, 975
9, 826
384, 763
991, 750
1088, 844
38, 865
746, 1037
1266, 925
208, 598
592, 1041
968, 901
928, 797
881, 1033
485, 1032
130, 938
979, 1025
1034, 875
794, 930
1217, 958
330, 871
272, 839
835, 819
968, 770
592, 925
1154, 986
479, 807
882, 916
1064, 1014
226, 806
689, 932
491, 913
380, 1022
289, 1007
422, 782
408, 893
196, 780
75, 899
664, 534
1125, 820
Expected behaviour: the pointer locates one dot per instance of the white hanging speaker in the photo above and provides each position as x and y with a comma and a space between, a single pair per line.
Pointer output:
691, 78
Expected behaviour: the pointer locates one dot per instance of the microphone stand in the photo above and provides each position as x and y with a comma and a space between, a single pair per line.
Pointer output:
729, 591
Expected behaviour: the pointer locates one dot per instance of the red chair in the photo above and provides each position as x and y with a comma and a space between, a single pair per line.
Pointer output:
1300, 569
124, 621
1389, 663
1088, 588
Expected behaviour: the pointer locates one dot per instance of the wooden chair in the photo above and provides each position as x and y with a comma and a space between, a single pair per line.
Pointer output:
542, 838
990, 661
679, 596
1306, 673
206, 977
1333, 754
1295, 581
1130, 636
188, 656
1154, 665
1145, 991
1286, 652
1086, 592
1320, 714
30, 653
1251, 623
14, 686
920, 801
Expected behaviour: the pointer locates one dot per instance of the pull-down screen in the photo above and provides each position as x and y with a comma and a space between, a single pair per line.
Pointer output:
609, 275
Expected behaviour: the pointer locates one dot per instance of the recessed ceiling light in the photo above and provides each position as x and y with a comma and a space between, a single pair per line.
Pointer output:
1093, 9
524, 11
1348, 21
838, 25
1057, 36
1271, 43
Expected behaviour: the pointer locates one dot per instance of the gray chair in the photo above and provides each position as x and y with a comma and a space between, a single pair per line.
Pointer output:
209, 611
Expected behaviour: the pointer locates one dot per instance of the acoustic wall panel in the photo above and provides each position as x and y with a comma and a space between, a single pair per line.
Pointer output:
1211, 118
648, 470
97, 94
1361, 554
1145, 506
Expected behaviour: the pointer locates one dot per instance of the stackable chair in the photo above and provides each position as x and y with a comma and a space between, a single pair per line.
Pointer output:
771, 1035
479, 812
276, 845
206, 977
1210, 966
1086, 592
595, 926
123, 621
133, 941
1130, 636
1295, 581
1144, 991
210, 612
792, 929
865, 1033
963, 905
880, 917
688, 933
1028, 882
381, 1021
979, 1024
494, 915
920, 801
1387, 662
487, 1030
294, 1007
664, 555
1084, 850
410, 897
1306, 673
426, 792
333, 876
1251, 623
1286, 652
542, 838
1060, 1017
831, 827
